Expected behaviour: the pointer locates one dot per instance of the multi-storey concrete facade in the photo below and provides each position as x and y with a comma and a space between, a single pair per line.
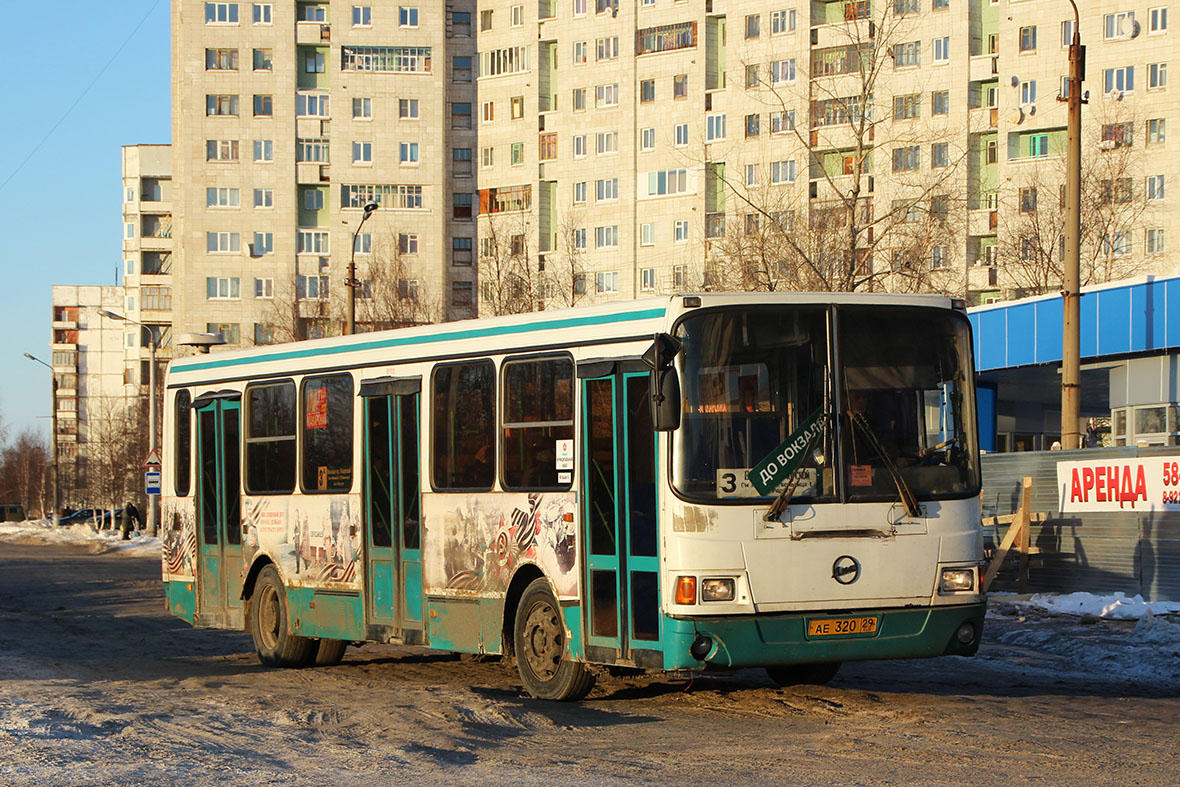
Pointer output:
288, 117
669, 134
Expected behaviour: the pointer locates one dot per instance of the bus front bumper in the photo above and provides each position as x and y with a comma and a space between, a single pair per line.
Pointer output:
781, 639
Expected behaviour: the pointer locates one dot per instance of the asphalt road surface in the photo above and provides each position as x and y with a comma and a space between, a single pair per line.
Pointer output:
98, 685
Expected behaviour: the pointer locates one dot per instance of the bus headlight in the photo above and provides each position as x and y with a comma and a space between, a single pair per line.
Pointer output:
717, 590
956, 580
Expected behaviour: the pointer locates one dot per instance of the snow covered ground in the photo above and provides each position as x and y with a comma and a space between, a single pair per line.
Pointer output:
100, 540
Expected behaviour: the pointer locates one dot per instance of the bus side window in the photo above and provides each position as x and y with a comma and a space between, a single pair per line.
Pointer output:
184, 443
538, 411
327, 433
270, 439
463, 425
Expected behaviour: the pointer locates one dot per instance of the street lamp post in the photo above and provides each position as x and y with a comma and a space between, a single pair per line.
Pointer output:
1071, 283
153, 444
53, 438
351, 282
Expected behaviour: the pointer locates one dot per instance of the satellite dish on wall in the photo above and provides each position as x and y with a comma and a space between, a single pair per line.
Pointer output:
1015, 80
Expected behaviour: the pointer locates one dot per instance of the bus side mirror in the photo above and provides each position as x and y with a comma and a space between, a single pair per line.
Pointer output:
665, 383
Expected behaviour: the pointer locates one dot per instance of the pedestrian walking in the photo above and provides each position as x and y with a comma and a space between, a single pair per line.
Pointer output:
130, 520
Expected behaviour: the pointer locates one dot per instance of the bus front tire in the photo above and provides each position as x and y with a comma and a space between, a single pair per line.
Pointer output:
542, 649
804, 674
275, 644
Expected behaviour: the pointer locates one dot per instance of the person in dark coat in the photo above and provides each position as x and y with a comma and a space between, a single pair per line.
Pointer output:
130, 520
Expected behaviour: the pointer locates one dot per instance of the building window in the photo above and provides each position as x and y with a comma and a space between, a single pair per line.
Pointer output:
1028, 38
903, 7
263, 106
386, 59
407, 153
516, 16
221, 105
606, 237
751, 174
264, 198
362, 152
263, 13
907, 107
1157, 20
1157, 76
223, 288
907, 158
1156, 131
753, 25
363, 243
313, 199
907, 54
938, 257
942, 50
1121, 79
407, 109
647, 90
221, 13
939, 155
606, 281
647, 234
221, 150
1116, 244
580, 192
228, 330
221, 198
461, 293
488, 111
264, 288
407, 17
362, 109
311, 242
311, 105
516, 154
579, 236
607, 48
1120, 25
263, 59
714, 127
606, 95
460, 69
460, 114
223, 242
680, 86
606, 190
313, 287
782, 172
485, 21
1155, 241
362, 16
681, 135
1028, 200
647, 139
517, 107
460, 162
1117, 135
461, 205
580, 52
264, 243
221, 59
680, 232
316, 150
314, 63
1028, 92
461, 251
1155, 187
667, 181
608, 142
312, 12
782, 71
579, 101
940, 102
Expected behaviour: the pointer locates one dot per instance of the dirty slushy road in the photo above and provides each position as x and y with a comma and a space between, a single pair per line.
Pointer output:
98, 685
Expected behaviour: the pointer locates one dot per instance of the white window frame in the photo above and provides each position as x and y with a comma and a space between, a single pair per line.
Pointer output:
263, 13
223, 243
1118, 26
407, 16
580, 192
407, 154
1155, 188
1157, 76
1157, 20
647, 234
606, 282
606, 236
647, 139
680, 135
224, 288
264, 288
222, 197
362, 16
715, 127
941, 50
680, 231
606, 190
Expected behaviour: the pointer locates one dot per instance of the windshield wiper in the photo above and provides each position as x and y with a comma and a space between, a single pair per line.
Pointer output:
907, 495
792, 481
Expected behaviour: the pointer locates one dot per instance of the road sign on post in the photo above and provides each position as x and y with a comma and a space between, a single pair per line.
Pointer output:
151, 482
153, 459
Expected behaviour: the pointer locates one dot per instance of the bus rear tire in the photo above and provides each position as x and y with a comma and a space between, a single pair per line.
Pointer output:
804, 674
542, 650
329, 652
275, 644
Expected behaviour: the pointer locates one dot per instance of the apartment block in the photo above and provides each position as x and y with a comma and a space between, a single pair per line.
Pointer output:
288, 118
653, 145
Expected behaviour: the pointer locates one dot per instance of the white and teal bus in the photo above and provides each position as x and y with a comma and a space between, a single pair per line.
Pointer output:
787, 481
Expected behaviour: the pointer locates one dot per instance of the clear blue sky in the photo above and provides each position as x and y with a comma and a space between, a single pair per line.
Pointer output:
61, 212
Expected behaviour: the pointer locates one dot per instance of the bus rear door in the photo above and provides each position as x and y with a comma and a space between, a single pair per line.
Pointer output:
219, 522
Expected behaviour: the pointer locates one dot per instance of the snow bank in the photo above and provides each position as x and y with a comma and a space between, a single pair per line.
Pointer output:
111, 540
1116, 606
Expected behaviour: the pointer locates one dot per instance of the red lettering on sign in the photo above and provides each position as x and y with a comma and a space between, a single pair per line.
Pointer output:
1075, 488
1087, 483
1100, 482
1141, 485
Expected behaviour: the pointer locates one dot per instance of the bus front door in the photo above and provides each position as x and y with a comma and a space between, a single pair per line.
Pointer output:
392, 511
219, 514
622, 567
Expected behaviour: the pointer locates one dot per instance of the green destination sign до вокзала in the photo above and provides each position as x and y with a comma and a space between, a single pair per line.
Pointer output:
782, 461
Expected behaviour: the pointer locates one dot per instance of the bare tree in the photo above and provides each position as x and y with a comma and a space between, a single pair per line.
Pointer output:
114, 448
394, 295
839, 236
509, 283
1031, 248
565, 266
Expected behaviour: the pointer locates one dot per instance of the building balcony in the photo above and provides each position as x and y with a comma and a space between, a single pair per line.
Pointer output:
311, 173
66, 325
983, 68
312, 33
982, 118
982, 221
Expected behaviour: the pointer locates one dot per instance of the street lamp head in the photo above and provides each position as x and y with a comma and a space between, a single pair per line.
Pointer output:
111, 314
30, 357
370, 206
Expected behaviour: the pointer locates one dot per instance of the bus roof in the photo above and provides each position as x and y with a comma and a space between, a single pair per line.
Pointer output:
517, 333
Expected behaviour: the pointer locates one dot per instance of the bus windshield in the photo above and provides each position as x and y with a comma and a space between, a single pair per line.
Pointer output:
906, 404
753, 378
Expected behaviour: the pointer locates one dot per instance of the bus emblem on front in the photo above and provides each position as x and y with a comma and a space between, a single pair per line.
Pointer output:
846, 570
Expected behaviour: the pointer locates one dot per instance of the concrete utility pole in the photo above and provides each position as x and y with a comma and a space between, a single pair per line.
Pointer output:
56, 518
351, 282
1071, 279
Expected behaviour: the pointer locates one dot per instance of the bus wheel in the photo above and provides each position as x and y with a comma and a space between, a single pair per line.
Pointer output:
273, 640
329, 652
797, 674
541, 648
